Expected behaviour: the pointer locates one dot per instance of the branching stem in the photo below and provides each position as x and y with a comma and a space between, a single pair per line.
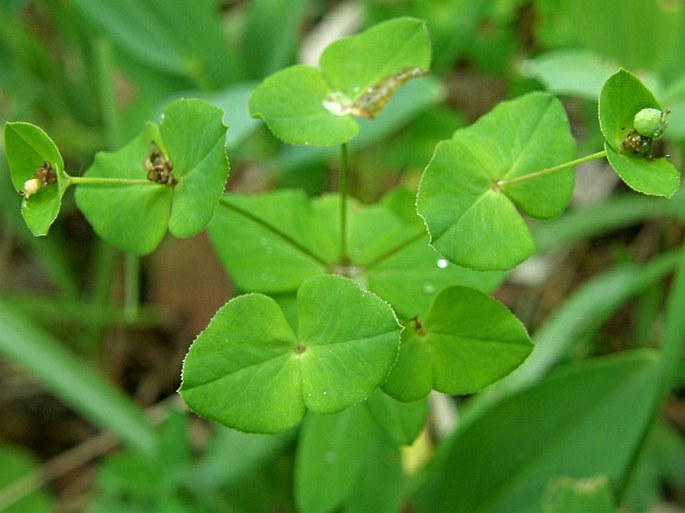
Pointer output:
553, 169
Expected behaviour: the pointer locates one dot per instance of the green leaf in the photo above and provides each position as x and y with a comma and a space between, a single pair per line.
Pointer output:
359, 74
589, 495
17, 465
657, 177
344, 462
346, 343
177, 36
291, 102
194, 135
271, 243
353, 63
466, 341
571, 71
28, 148
584, 420
623, 96
65, 375
470, 190
402, 421
134, 216
330, 455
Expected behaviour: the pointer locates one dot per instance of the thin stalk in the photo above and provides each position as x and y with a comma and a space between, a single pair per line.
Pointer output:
94, 180
344, 179
131, 288
553, 169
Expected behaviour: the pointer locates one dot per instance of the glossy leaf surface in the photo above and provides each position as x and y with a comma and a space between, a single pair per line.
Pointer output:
135, 216
466, 341
358, 75
250, 371
584, 420
28, 148
623, 96
271, 243
473, 185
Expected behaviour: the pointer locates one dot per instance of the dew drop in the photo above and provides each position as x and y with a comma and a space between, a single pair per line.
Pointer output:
325, 392
428, 288
263, 241
442, 263
330, 457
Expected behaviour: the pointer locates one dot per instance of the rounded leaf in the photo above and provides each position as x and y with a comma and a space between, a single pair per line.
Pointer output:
134, 214
467, 341
32, 155
194, 135
380, 58
622, 98
359, 75
248, 370
470, 189
292, 104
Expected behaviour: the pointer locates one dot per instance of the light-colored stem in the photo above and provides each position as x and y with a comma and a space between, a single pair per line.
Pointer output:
553, 169
94, 180
344, 178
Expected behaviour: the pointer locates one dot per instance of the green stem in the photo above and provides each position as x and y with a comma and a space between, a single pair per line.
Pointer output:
132, 288
553, 169
344, 178
95, 180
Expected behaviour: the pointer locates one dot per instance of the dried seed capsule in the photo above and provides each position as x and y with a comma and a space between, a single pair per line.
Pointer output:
638, 143
158, 167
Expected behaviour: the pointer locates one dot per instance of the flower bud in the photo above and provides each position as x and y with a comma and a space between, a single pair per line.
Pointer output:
651, 122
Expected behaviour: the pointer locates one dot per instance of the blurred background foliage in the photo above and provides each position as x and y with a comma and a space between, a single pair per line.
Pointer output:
90, 73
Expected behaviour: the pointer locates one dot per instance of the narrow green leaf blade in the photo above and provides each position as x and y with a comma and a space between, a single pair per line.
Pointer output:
582, 421
28, 147
466, 341
588, 495
67, 377
194, 135
470, 189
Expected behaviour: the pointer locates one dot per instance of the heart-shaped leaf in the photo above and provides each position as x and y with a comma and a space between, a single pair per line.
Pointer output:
34, 157
466, 341
358, 76
134, 214
271, 243
470, 190
250, 371
623, 96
